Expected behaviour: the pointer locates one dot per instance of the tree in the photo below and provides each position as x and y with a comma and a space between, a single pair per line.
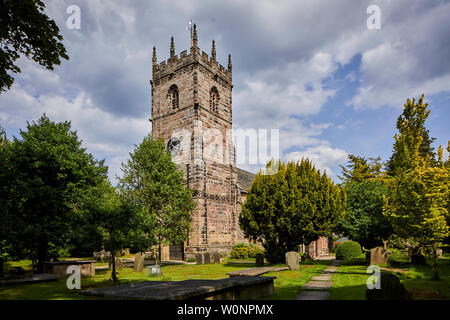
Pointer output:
365, 222
152, 179
417, 202
26, 30
294, 206
411, 127
360, 169
110, 221
47, 173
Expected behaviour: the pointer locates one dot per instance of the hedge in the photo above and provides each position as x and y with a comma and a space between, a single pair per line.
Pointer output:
347, 250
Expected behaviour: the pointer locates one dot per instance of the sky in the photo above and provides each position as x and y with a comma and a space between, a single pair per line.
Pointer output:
312, 69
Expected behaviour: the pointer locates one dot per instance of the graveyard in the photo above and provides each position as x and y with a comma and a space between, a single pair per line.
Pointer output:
348, 281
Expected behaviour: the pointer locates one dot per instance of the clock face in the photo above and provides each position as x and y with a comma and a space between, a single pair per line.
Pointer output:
173, 146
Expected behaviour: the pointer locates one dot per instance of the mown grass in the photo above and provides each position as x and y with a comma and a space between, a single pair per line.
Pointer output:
349, 283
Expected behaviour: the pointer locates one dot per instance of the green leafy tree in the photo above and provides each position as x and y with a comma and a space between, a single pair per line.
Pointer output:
48, 171
153, 180
110, 221
417, 204
365, 222
360, 169
411, 129
26, 30
294, 206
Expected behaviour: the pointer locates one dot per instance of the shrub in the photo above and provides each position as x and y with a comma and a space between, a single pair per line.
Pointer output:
347, 250
245, 250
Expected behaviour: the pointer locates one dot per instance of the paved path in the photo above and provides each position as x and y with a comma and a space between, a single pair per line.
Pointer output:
317, 288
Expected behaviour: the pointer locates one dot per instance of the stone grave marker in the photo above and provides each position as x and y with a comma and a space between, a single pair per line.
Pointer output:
199, 258
378, 255
216, 257
119, 264
206, 257
260, 260
292, 260
138, 262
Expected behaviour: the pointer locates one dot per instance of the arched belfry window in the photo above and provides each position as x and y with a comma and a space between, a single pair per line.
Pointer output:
173, 96
214, 99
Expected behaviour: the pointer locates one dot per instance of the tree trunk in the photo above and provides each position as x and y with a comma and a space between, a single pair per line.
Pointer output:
42, 256
159, 252
113, 273
434, 261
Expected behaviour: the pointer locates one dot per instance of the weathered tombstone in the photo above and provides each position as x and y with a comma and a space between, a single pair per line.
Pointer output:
138, 262
216, 257
292, 260
391, 289
378, 255
119, 264
260, 260
199, 258
206, 257
154, 270
439, 253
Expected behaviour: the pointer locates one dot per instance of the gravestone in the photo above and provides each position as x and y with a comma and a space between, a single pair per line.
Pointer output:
138, 262
260, 260
119, 264
154, 270
391, 289
378, 255
199, 258
216, 257
292, 260
439, 253
206, 257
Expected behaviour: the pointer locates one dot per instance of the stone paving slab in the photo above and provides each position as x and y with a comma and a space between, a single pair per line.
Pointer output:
331, 269
322, 277
31, 279
318, 285
313, 295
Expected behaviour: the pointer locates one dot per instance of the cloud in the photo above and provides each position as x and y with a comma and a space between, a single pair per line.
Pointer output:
323, 156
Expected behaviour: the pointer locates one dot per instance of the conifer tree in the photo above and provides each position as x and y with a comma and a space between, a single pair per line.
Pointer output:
411, 129
294, 206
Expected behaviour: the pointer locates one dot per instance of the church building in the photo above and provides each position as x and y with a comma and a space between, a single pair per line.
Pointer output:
191, 93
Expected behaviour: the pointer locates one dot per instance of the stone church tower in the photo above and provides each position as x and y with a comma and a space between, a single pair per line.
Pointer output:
192, 111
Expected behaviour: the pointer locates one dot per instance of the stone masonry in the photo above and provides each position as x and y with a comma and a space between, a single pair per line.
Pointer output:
192, 93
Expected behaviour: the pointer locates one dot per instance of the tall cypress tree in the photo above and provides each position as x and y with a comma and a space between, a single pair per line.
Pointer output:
411, 127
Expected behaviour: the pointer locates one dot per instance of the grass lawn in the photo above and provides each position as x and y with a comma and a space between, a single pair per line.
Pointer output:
287, 284
349, 283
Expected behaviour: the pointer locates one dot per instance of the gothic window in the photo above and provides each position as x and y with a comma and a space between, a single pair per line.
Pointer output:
214, 99
173, 96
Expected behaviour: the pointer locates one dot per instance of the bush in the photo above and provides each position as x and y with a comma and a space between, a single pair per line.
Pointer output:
245, 250
347, 250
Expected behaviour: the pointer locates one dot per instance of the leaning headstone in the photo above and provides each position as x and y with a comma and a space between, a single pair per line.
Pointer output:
119, 264
292, 260
391, 289
138, 262
216, 257
199, 258
206, 257
378, 255
260, 260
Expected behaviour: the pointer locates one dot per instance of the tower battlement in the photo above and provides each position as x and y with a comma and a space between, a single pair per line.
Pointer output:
195, 56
